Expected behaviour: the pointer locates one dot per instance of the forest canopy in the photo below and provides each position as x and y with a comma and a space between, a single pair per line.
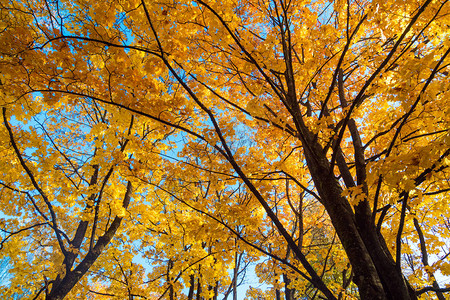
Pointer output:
170, 149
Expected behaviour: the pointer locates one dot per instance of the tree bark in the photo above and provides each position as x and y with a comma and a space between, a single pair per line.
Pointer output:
288, 293
191, 287
65, 285
374, 273
343, 219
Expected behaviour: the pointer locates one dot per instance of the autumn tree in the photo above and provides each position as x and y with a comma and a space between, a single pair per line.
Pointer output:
313, 136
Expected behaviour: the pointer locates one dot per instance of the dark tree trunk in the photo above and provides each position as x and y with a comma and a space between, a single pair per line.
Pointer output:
288, 293
199, 289
191, 287
63, 286
374, 269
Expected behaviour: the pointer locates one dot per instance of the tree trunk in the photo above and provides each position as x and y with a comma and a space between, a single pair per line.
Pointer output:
391, 277
191, 287
235, 275
375, 272
288, 293
65, 285
199, 289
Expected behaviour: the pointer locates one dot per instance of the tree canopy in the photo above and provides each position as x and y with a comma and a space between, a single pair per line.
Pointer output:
156, 149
